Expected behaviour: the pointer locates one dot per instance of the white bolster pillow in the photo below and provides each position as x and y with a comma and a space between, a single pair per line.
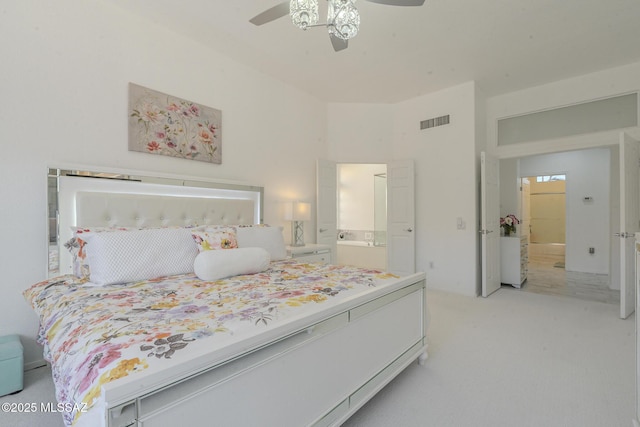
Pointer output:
222, 263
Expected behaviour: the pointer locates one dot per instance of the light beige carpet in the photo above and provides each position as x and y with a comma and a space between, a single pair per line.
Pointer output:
513, 359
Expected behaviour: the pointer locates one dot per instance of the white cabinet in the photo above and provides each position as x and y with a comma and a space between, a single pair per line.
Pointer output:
311, 252
514, 256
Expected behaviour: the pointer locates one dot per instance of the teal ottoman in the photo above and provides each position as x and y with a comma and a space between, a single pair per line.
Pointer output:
11, 365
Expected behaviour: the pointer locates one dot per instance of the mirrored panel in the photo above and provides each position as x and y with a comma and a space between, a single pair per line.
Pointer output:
64, 186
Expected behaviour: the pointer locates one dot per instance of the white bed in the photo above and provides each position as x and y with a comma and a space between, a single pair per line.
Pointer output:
311, 367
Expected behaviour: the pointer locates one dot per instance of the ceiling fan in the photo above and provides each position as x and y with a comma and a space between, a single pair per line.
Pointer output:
343, 19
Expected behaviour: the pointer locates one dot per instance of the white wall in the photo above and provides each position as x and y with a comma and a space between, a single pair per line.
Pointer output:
360, 133
446, 167
65, 69
445, 159
446, 175
588, 174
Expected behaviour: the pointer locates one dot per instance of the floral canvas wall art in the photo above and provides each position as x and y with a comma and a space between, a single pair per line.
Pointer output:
164, 124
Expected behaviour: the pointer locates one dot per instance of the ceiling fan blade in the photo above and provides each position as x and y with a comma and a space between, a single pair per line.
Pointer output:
271, 14
338, 43
399, 2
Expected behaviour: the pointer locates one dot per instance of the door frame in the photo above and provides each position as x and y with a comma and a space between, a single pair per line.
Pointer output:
388, 165
629, 224
601, 140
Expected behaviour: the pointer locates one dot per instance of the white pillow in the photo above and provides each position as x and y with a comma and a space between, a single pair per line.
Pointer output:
215, 265
128, 256
269, 238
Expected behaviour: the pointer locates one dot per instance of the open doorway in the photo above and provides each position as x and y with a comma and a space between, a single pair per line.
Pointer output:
567, 229
362, 215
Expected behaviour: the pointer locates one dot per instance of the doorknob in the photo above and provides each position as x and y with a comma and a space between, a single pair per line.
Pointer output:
322, 230
408, 229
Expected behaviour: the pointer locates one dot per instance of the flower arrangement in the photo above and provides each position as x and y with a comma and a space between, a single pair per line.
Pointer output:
508, 224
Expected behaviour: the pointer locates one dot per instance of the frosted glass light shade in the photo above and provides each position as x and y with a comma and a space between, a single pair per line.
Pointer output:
343, 19
303, 12
297, 211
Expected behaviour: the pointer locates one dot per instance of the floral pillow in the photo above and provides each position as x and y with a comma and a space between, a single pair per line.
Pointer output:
222, 237
77, 247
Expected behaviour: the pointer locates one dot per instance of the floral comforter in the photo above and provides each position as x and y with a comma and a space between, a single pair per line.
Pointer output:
96, 334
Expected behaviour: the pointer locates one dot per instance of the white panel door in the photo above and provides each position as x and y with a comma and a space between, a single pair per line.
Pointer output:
490, 223
629, 220
326, 205
401, 257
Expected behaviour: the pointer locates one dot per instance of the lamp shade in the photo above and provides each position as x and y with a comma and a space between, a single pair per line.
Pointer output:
297, 211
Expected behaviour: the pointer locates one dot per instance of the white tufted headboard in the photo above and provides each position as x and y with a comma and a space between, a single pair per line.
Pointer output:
140, 210
145, 202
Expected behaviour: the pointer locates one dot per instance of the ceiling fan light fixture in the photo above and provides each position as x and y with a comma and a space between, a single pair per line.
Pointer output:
303, 13
343, 19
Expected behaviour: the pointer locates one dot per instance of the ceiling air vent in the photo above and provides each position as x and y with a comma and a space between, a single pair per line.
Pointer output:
437, 121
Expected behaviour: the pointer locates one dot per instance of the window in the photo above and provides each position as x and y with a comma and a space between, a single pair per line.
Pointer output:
598, 115
551, 178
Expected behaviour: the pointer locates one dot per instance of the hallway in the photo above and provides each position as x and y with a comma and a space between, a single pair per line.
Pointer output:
545, 278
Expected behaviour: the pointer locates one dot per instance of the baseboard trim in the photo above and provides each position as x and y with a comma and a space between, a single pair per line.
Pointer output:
35, 364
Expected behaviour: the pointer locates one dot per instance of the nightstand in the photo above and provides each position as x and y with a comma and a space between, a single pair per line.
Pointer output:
311, 252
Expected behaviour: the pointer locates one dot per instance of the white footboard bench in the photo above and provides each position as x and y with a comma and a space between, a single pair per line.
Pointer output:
318, 373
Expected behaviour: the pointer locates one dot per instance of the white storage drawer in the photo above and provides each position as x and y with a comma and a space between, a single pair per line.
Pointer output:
311, 252
324, 258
